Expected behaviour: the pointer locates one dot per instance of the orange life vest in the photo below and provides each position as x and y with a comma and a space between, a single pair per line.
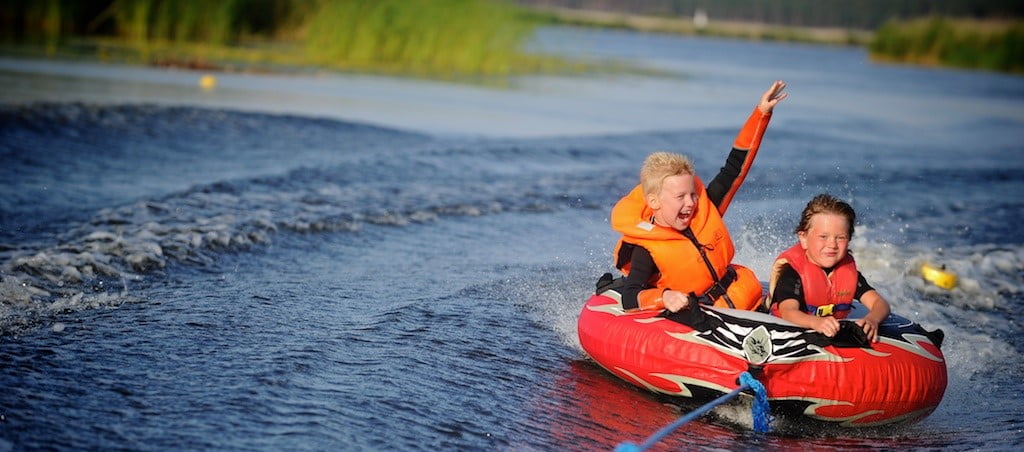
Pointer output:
830, 294
678, 259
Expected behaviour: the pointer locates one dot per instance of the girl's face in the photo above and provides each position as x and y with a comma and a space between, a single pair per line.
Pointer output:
676, 205
826, 240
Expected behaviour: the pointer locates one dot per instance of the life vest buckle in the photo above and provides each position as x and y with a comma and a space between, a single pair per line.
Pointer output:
720, 289
824, 311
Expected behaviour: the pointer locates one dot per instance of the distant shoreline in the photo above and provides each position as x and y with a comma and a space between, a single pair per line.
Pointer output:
480, 42
705, 27
934, 41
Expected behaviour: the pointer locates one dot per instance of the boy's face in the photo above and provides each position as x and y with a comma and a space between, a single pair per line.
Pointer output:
676, 205
826, 240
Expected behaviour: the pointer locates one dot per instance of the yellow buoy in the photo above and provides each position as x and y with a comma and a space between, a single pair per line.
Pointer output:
207, 82
938, 276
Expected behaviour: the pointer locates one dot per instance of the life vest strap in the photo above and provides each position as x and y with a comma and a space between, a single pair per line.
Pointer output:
828, 309
719, 289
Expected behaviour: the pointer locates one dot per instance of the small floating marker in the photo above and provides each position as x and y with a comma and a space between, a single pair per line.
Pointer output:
938, 276
207, 82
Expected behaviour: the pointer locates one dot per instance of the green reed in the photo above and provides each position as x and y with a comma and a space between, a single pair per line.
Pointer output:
427, 37
423, 36
985, 45
40, 22
142, 21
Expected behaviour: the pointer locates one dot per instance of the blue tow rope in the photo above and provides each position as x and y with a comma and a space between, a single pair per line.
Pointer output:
759, 412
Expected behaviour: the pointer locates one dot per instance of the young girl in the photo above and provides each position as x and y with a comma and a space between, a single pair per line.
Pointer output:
675, 248
814, 283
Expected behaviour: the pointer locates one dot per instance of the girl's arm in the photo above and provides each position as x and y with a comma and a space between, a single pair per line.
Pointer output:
789, 309
879, 310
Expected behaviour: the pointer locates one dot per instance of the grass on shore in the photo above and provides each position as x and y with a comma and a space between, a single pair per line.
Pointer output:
450, 39
453, 39
972, 44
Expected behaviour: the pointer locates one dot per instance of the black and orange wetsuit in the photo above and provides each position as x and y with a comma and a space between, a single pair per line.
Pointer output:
698, 259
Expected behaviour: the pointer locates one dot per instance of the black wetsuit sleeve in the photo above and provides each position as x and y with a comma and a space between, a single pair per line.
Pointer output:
641, 271
862, 287
726, 177
789, 286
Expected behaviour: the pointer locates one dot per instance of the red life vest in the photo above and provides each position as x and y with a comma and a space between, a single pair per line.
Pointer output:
678, 259
824, 295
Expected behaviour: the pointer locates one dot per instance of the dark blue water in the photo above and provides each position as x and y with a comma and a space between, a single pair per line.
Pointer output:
194, 274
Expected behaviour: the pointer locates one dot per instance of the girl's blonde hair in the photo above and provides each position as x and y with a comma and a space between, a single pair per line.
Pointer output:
825, 203
660, 165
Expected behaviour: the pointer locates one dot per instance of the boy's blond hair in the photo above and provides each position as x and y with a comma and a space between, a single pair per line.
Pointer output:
659, 166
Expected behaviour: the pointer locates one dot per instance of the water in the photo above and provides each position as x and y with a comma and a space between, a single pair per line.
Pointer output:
361, 263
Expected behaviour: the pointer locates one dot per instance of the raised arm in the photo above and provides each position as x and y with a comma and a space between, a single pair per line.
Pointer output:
724, 186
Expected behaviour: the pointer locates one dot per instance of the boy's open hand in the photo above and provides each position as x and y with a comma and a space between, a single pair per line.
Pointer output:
771, 97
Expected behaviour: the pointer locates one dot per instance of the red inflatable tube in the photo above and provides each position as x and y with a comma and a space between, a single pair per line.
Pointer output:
699, 353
